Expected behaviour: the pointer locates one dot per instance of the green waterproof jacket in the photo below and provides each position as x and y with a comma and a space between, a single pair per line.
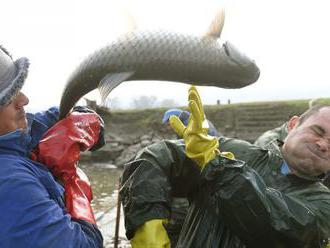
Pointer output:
269, 138
233, 203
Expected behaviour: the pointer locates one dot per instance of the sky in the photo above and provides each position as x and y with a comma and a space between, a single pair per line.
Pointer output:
289, 40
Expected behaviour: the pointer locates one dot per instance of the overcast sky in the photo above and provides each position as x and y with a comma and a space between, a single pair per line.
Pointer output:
289, 40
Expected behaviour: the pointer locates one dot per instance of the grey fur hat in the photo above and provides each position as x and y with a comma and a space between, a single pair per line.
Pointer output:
12, 75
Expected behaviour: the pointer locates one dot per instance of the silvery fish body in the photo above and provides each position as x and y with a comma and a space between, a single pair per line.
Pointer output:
159, 55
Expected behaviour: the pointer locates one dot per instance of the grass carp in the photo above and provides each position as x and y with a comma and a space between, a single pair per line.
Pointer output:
161, 55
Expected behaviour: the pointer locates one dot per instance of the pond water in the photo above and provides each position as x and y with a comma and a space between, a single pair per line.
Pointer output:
104, 179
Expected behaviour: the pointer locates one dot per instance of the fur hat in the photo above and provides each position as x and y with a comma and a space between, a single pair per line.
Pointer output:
12, 75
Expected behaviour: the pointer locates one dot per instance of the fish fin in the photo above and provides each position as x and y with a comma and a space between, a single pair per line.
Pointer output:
111, 81
216, 26
130, 21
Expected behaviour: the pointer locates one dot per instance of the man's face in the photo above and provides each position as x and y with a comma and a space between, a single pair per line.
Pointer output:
12, 115
307, 146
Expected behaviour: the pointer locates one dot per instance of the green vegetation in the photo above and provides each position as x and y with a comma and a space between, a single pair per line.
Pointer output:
243, 120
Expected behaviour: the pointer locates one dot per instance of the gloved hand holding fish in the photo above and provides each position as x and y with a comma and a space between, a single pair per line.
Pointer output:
164, 56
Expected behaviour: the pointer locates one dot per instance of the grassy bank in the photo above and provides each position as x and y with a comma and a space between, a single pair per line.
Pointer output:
243, 120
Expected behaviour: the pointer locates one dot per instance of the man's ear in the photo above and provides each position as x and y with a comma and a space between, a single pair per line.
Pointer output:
293, 122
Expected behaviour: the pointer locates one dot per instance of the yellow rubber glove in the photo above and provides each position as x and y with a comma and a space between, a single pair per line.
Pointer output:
151, 234
200, 146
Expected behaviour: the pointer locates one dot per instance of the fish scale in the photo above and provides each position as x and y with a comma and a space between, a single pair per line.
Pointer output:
159, 55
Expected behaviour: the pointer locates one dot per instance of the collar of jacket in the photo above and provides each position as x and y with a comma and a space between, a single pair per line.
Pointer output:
16, 142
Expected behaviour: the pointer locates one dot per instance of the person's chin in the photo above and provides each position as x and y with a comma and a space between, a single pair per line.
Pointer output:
314, 167
304, 167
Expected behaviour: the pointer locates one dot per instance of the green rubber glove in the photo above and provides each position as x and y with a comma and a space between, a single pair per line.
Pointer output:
200, 146
151, 234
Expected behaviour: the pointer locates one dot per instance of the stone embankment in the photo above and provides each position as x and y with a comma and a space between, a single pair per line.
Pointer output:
118, 151
129, 131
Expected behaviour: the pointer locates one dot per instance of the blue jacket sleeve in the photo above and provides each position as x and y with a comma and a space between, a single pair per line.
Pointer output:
48, 117
39, 123
32, 217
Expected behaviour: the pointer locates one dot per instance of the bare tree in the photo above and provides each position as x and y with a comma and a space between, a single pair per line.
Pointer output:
168, 103
144, 102
113, 103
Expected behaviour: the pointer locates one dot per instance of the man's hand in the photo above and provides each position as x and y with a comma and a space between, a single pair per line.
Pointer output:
151, 234
101, 140
200, 146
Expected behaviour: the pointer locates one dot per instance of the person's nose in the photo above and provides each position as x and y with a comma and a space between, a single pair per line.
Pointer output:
323, 145
21, 99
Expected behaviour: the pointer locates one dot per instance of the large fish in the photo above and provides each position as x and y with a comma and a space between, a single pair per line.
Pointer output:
161, 55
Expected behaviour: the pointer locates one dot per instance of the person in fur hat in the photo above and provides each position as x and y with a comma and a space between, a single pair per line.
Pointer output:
42, 204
